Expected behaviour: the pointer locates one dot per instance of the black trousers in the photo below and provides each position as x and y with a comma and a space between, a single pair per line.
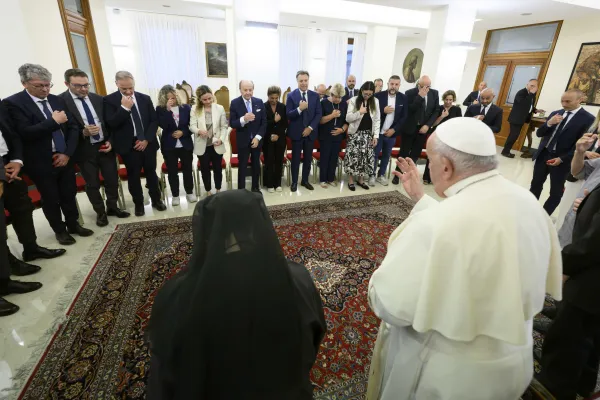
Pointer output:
302, 150
330, 154
209, 159
17, 202
58, 189
135, 161
571, 353
515, 131
273, 152
243, 154
412, 146
91, 164
4, 263
172, 158
558, 176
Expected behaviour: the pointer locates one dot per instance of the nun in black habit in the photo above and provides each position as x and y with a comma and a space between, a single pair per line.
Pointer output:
240, 322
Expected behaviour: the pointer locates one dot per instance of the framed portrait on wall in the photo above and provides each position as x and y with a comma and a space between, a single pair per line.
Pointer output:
586, 73
216, 60
411, 68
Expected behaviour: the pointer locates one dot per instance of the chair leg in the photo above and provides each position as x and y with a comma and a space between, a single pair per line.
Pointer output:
80, 219
102, 192
122, 203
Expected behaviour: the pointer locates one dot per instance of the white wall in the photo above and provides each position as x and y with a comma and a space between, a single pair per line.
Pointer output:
105, 50
379, 53
263, 70
471, 67
403, 47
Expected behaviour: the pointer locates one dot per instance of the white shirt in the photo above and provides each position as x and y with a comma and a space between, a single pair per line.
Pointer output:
306, 96
131, 116
243, 122
555, 127
84, 117
487, 108
38, 101
175, 111
389, 118
4, 149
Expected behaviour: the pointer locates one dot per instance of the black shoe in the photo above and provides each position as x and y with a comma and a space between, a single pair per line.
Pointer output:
159, 205
508, 155
7, 308
396, 180
64, 238
537, 354
256, 190
352, 187
307, 185
550, 312
139, 210
77, 229
294, 187
21, 268
363, 185
41, 252
102, 220
117, 212
18, 287
541, 326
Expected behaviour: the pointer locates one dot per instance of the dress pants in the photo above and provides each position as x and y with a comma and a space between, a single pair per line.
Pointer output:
273, 152
412, 145
172, 157
17, 202
243, 154
134, 162
558, 176
330, 154
384, 146
515, 131
426, 173
211, 157
304, 146
91, 163
58, 189
570, 353
4, 262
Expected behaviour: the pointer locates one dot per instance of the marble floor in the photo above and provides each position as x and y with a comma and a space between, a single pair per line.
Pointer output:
24, 336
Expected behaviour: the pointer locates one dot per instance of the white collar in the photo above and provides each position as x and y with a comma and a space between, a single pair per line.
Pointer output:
77, 97
460, 185
574, 111
36, 99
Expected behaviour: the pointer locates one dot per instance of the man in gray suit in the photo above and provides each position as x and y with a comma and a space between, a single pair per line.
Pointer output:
94, 152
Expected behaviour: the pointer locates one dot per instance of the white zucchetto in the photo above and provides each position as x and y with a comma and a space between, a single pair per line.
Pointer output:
468, 135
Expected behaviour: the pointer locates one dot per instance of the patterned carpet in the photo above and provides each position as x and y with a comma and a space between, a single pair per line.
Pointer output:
100, 351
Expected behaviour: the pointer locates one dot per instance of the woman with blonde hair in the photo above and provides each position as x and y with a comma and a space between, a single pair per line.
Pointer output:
332, 130
209, 126
176, 142
363, 134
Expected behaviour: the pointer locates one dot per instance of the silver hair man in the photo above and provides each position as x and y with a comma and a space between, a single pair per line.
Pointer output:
28, 72
464, 164
122, 75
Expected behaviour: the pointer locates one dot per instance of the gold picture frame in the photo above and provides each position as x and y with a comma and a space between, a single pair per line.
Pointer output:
216, 59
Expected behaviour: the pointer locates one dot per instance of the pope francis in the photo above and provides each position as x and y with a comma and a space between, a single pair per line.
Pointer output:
462, 278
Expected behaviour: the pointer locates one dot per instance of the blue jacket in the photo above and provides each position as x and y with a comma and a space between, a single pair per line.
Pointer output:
309, 117
167, 123
400, 110
245, 134
326, 128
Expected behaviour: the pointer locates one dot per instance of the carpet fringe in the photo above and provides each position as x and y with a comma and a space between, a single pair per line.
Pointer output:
23, 373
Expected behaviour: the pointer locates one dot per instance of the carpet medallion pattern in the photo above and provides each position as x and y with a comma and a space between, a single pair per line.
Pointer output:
100, 352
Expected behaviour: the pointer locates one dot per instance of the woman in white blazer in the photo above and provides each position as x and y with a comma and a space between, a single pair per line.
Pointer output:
208, 125
363, 133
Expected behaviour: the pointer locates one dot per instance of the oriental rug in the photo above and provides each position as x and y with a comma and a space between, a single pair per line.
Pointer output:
100, 351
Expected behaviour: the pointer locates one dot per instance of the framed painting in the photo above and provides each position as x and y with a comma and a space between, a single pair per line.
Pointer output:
586, 73
216, 60
411, 68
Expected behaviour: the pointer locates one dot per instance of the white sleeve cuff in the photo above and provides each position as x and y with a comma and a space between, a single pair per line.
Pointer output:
242, 121
17, 161
258, 137
299, 111
125, 108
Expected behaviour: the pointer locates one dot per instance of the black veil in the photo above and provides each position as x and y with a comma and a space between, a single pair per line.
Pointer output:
228, 326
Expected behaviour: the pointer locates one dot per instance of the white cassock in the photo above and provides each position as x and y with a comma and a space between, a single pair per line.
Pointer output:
457, 293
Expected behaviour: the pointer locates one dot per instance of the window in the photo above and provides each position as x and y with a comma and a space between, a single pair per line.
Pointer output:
349, 55
526, 39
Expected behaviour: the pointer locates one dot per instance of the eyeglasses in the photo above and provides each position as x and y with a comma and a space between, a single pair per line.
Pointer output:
78, 86
43, 86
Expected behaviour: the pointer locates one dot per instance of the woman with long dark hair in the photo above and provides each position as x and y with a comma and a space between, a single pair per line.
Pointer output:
239, 321
363, 133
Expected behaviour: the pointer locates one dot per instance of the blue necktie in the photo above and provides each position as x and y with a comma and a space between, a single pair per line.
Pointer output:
552, 145
59, 140
304, 113
137, 121
248, 106
89, 116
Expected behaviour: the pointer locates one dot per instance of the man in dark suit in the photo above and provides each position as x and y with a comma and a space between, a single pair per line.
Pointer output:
304, 114
486, 111
522, 110
562, 130
131, 120
49, 135
423, 109
571, 349
393, 108
473, 97
94, 150
351, 89
248, 117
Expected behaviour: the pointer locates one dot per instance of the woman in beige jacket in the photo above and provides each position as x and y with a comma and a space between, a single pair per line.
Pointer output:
208, 124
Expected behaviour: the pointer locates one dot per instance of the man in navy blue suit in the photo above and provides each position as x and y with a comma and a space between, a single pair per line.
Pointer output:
248, 117
304, 113
50, 137
393, 108
131, 119
559, 134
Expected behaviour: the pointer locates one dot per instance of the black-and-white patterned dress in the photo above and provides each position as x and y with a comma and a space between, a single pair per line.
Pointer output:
359, 153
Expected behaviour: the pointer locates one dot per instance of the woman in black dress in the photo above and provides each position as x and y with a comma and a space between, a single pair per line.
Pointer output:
274, 142
447, 111
239, 321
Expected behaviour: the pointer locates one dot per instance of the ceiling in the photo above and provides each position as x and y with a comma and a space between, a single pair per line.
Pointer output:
176, 7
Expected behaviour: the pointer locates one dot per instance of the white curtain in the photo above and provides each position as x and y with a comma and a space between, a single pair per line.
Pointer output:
358, 57
336, 57
168, 49
293, 54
